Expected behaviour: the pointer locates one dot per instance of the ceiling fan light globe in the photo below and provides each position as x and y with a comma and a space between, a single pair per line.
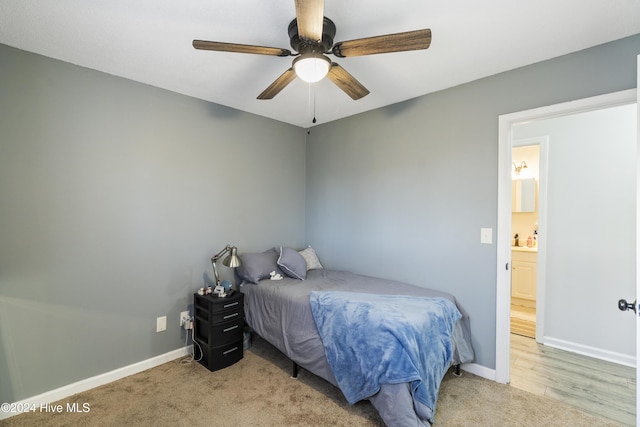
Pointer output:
311, 67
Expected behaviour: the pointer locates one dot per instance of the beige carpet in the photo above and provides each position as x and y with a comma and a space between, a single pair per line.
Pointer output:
258, 391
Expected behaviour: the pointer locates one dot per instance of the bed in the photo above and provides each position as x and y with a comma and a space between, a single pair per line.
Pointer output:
299, 313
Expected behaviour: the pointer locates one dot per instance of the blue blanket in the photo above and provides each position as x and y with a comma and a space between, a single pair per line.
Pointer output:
386, 339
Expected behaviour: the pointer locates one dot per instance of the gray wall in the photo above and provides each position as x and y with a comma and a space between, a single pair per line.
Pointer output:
590, 233
113, 197
402, 191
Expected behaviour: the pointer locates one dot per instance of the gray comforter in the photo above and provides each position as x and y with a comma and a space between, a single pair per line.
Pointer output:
280, 312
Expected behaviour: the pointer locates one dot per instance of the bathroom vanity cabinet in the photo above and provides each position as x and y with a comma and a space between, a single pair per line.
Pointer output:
524, 275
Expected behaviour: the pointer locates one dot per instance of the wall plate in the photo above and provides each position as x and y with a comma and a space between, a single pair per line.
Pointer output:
486, 236
161, 324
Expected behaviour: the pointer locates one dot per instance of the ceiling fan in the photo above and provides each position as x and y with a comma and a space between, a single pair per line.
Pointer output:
311, 36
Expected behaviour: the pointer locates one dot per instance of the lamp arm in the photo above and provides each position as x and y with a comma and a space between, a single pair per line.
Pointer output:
217, 256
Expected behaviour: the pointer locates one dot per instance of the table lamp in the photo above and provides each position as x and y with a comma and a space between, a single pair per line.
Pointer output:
232, 260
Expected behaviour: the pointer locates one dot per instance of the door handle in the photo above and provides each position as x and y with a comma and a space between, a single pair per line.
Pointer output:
623, 305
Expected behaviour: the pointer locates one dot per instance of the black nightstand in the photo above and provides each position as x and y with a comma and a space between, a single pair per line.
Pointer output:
219, 327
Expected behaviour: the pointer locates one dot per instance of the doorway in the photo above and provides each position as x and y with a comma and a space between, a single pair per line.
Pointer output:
528, 201
579, 316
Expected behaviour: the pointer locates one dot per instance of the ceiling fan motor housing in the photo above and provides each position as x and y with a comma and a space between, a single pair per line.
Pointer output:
302, 46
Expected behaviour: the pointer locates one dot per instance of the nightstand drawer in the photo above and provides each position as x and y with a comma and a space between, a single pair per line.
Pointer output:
214, 358
224, 333
219, 333
226, 316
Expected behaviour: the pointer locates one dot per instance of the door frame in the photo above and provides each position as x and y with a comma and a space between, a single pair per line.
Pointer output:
637, 237
503, 233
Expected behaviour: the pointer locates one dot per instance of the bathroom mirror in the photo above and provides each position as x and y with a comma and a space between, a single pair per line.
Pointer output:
523, 195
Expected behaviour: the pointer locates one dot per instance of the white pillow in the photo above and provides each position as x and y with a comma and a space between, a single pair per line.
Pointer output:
311, 258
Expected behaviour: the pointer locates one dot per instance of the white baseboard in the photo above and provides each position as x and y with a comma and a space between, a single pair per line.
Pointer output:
479, 370
98, 380
596, 353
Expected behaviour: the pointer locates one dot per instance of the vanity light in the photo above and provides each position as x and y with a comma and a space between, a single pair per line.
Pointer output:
311, 67
518, 169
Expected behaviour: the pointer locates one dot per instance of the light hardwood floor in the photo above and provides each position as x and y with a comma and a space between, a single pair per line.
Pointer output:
523, 320
604, 388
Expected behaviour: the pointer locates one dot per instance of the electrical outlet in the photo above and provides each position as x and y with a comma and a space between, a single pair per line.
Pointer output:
161, 324
184, 315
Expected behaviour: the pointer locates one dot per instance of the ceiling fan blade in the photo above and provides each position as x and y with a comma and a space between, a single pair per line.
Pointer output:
280, 83
347, 82
399, 42
310, 16
240, 48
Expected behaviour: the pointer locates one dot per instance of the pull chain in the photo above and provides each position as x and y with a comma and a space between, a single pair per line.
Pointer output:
309, 100
314, 105
309, 106
314, 102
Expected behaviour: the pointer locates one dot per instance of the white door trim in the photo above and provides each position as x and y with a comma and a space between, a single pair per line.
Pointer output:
503, 234
638, 245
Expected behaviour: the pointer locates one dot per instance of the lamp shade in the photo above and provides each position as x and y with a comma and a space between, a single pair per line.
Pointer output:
232, 260
311, 67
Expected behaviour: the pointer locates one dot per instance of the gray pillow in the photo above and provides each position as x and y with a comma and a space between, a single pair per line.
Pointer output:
292, 263
258, 266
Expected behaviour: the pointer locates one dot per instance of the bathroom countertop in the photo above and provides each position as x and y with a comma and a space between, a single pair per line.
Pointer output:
524, 249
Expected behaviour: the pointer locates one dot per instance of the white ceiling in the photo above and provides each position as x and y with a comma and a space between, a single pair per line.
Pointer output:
149, 41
